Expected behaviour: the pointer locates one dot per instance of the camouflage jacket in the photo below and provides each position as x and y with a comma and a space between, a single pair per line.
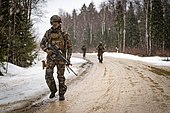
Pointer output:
100, 49
60, 39
83, 48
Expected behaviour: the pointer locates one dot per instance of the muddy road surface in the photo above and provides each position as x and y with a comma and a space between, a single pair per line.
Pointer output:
114, 86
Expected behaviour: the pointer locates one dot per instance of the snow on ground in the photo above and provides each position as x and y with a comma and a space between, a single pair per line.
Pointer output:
23, 83
156, 60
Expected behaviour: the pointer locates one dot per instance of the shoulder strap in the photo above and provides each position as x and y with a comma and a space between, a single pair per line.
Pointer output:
48, 34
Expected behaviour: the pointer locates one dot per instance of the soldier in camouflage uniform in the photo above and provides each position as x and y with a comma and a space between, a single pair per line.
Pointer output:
62, 40
83, 48
100, 49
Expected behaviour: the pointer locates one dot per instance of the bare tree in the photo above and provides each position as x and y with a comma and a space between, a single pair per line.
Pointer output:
124, 29
147, 28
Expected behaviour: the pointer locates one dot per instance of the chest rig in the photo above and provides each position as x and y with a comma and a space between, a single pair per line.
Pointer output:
57, 38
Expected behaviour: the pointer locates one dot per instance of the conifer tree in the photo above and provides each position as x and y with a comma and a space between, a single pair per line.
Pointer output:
17, 41
157, 26
140, 15
119, 24
132, 32
4, 29
91, 21
166, 4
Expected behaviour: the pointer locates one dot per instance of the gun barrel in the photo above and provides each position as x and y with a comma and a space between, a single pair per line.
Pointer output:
72, 71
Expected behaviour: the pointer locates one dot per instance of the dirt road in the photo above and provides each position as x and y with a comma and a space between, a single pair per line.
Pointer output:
115, 86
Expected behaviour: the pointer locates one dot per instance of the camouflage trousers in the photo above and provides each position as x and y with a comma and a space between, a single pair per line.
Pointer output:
100, 57
84, 54
60, 75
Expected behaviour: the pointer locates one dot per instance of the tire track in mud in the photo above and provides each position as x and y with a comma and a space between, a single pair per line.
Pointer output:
159, 95
115, 86
95, 73
151, 83
105, 100
79, 93
128, 79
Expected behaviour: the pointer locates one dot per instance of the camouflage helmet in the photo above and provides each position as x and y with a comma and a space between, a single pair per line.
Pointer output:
55, 18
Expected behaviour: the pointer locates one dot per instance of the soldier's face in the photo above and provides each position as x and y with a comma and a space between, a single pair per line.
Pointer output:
56, 24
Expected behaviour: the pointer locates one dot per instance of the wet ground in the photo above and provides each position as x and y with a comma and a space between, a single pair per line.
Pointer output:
114, 86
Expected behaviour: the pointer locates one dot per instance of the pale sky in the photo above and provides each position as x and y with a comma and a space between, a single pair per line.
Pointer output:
52, 8
69, 5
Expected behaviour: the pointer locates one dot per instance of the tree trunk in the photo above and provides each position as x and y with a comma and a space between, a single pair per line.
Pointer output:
29, 9
124, 19
91, 33
149, 33
74, 27
148, 27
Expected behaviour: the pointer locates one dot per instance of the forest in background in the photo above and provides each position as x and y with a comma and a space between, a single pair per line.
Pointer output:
140, 27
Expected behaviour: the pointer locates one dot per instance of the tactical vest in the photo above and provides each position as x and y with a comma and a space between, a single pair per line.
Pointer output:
100, 49
58, 39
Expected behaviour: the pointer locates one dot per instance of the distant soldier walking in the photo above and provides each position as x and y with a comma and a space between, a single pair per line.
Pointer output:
83, 48
55, 36
100, 51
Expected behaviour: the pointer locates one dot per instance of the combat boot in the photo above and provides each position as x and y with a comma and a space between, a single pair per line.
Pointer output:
52, 95
61, 97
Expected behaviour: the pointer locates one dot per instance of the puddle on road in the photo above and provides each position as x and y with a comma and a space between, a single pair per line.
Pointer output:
160, 71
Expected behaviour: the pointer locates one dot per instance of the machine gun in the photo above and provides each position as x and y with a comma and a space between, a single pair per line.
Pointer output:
57, 52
